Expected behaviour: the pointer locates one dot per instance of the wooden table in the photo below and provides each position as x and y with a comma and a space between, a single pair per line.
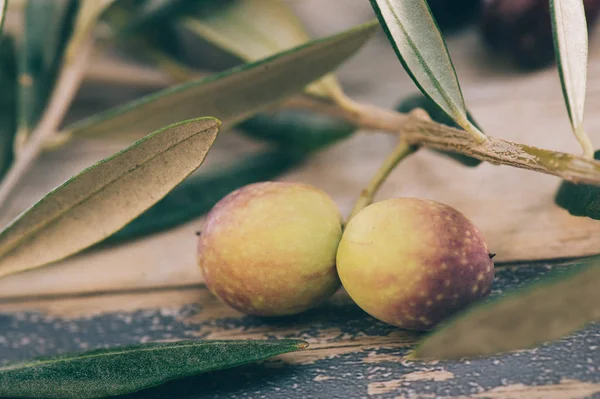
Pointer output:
351, 355
152, 290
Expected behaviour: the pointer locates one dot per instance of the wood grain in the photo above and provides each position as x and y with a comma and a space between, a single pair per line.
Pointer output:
351, 355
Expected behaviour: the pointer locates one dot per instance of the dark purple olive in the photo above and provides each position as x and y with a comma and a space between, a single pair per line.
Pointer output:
522, 29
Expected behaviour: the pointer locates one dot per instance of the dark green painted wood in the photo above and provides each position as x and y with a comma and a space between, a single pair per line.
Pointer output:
346, 375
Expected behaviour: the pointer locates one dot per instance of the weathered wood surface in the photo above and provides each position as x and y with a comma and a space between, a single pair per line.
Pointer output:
351, 355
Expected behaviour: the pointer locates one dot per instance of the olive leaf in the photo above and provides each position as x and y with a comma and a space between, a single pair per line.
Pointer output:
420, 47
252, 30
8, 96
199, 193
235, 94
295, 133
539, 313
436, 114
120, 370
103, 198
569, 28
580, 199
47, 28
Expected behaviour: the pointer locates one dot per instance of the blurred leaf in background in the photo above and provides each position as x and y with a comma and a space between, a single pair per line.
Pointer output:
541, 312
580, 199
75, 59
3, 7
8, 101
233, 32
247, 30
47, 29
297, 129
252, 30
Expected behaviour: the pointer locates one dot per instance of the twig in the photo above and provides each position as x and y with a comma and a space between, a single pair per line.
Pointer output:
63, 94
402, 150
570, 167
497, 151
417, 131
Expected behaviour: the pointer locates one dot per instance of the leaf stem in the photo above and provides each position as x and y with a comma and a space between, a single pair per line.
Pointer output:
577, 169
477, 134
402, 150
62, 96
421, 132
585, 142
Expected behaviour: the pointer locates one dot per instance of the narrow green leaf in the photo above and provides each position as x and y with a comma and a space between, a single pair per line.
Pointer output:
248, 30
115, 371
296, 134
199, 193
3, 7
8, 103
297, 129
46, 31
418, 100
569, 28
421, 49
252, 30
103, 198
580, 199
539, 313
233, 95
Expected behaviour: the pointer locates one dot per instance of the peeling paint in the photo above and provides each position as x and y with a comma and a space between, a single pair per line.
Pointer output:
566, 389
378, 388
351, 353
